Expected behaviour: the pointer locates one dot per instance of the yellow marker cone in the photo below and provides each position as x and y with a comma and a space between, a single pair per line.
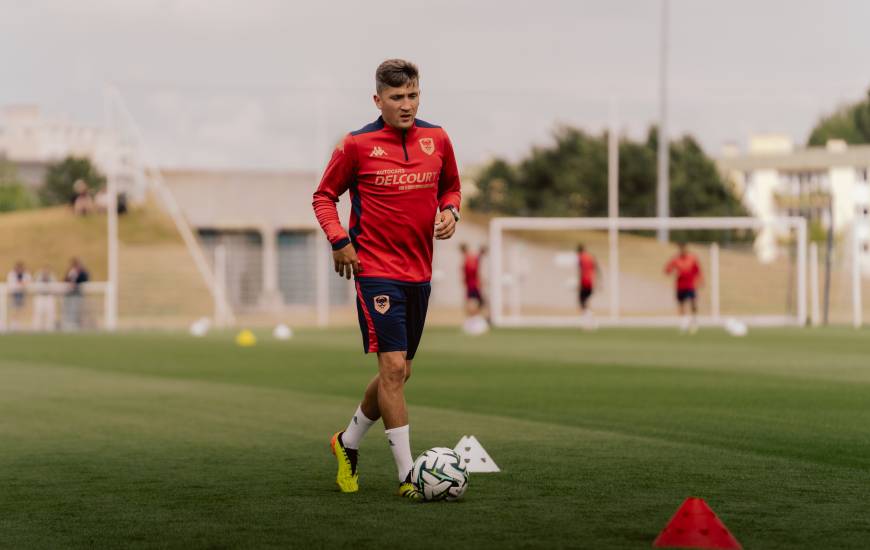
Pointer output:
246, 338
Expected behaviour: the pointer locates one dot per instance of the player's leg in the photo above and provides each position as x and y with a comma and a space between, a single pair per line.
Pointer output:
345, 444
417, 303
681, 308
693, 302
393, 371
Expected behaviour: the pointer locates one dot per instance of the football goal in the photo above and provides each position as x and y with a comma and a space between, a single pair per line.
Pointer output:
534, 272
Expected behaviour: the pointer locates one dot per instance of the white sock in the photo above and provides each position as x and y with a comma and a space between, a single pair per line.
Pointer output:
356, 429
400, 443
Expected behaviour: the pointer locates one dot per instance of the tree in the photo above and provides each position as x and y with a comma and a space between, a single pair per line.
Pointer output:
851, 123
14, 195
569, 178
60, 177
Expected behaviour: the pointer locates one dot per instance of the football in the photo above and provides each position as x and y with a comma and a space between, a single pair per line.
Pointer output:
440, 474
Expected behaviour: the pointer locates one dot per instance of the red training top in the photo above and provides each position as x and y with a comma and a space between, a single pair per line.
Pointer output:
687, 269
587, 269
398, 180
471, 268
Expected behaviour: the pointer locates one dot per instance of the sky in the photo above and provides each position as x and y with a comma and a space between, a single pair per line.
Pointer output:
273, 84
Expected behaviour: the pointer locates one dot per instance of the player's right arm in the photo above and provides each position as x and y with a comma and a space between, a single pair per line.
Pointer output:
336, 180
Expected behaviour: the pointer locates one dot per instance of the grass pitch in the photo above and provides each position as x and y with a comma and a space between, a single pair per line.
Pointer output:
165, 441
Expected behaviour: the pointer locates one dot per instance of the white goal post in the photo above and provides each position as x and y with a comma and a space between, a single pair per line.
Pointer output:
502, 279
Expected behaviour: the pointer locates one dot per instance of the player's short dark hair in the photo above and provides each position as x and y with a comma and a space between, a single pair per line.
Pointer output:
394, 73
580, 247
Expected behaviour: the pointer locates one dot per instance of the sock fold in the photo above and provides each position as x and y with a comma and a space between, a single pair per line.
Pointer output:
356, 429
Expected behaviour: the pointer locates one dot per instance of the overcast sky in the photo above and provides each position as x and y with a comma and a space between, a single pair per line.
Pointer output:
231, 83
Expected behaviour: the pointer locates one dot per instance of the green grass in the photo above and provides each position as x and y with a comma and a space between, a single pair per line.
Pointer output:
163, 441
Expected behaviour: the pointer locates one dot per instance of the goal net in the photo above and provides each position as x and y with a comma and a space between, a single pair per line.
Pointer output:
751, 270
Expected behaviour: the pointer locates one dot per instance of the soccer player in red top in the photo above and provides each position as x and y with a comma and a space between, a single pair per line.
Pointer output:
403, 183
588, 269
471, 276
688, 278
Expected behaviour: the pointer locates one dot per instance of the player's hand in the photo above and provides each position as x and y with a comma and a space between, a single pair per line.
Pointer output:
346, 262
445, 225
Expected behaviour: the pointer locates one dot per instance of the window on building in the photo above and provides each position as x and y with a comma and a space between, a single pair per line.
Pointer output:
244, 267
297, 270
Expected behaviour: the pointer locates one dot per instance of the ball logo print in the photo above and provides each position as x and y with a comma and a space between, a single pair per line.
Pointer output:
382, 303
440, 474
427, 145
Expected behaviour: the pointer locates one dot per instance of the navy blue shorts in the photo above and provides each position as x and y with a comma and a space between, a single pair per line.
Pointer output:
474, 294
391, 314
683, 295
585, 293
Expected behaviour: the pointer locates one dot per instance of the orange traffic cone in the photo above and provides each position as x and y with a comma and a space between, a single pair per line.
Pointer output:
696, 526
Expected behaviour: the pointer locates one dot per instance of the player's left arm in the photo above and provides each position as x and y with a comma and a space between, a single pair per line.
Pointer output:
698, 274
449, 192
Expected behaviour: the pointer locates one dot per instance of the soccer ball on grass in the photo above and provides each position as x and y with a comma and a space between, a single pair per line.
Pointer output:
440, 474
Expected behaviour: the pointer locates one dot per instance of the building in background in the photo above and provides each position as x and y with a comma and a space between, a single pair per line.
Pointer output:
32, 141
823, 184
274, 245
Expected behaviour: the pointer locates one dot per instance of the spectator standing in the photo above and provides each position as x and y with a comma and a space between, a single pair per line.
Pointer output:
17, 280
76, 275
44, 303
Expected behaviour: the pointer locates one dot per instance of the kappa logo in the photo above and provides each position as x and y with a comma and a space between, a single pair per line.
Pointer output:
378, 152
427, 145
382, 303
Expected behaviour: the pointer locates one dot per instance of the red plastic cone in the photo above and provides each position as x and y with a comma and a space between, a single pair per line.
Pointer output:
695, 526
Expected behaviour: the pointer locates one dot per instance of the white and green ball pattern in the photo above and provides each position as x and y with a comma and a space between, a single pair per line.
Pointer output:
440, 474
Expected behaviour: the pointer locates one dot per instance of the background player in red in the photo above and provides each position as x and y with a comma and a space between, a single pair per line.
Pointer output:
474, 301
688, 278
587, 267
404, 190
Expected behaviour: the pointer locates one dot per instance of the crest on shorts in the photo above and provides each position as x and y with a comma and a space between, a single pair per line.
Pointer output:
427, 145
382, 303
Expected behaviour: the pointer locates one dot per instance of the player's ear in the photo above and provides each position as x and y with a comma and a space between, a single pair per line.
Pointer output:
377, 100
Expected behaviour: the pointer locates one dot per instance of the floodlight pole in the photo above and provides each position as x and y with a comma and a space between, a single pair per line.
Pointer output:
111, 296
613, 209
663, 187
322, 254
857, 317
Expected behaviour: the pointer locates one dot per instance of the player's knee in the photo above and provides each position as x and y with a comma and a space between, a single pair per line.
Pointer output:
393, 371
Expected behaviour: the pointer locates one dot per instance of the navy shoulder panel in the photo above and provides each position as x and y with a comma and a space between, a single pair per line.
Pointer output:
424, 124
371, 127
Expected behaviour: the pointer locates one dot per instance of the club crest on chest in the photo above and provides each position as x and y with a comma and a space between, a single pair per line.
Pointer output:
427, 145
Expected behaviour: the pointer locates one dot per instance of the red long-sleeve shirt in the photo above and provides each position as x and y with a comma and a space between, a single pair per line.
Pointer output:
398, 180
586, 263
471, 269
687, 269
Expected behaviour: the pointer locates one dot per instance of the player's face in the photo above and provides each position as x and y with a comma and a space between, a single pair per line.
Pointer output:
399, 105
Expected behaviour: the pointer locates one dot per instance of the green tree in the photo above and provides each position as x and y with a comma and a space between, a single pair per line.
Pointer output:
850, 123
570, 179
60, 177
14, 195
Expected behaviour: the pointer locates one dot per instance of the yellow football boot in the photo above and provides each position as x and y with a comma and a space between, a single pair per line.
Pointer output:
347, 477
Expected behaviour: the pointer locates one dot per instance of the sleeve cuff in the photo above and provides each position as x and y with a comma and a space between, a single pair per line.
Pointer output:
339, 244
